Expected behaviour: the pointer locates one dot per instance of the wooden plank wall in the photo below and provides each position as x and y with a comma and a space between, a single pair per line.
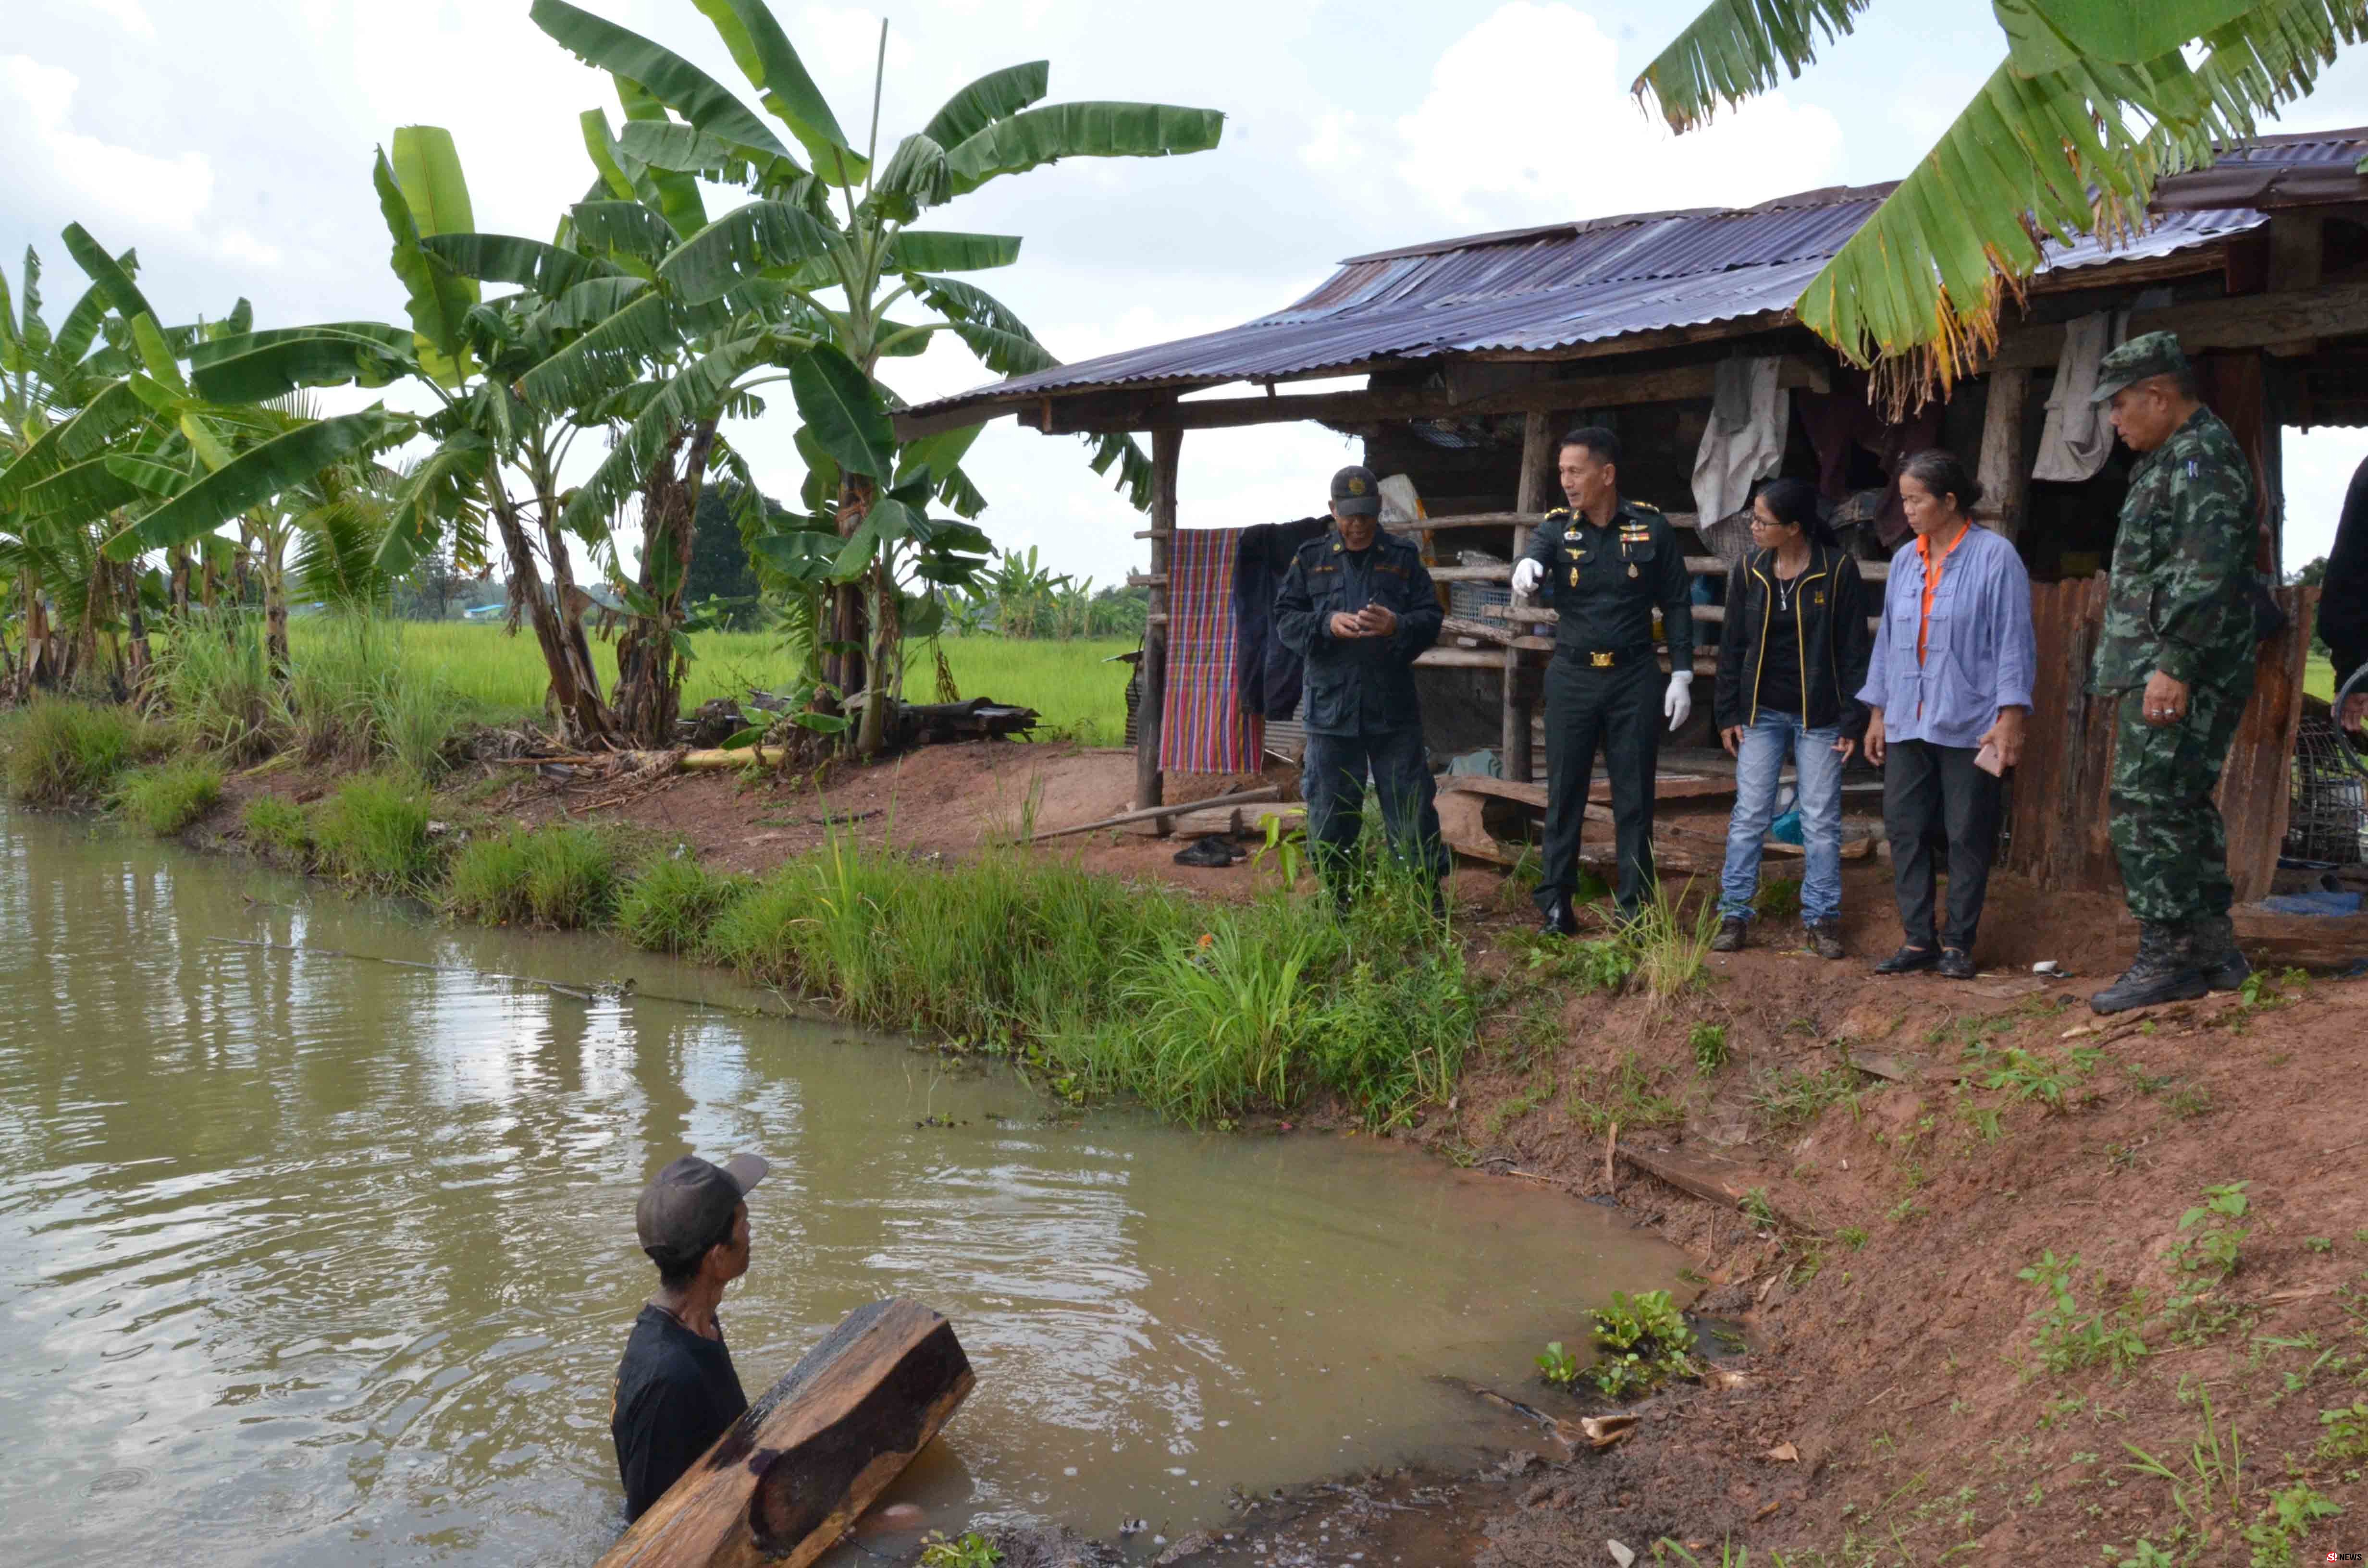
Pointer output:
2059, 807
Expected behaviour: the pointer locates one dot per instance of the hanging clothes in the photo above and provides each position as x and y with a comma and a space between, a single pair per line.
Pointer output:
2077, 436
1203, 726
1744, 441
1266, 674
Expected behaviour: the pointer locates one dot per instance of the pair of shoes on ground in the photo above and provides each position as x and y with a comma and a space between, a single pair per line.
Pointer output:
1949, 963
2176, 963
1817, 937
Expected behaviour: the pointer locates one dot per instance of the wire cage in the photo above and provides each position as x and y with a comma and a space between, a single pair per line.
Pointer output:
2328, 819
1470, 601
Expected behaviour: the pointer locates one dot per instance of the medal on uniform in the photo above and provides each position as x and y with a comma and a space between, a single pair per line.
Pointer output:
1631, 569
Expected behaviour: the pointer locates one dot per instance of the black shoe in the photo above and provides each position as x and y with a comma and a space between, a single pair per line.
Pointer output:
1908, 961
1730, 935
1955, 964
2160, 972
1559, 920
2213, 952
1821, 938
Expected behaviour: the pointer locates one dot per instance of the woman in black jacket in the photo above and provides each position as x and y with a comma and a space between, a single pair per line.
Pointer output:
1791, 658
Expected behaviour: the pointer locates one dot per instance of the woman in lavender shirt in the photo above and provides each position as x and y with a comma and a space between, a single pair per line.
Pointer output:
1948, 689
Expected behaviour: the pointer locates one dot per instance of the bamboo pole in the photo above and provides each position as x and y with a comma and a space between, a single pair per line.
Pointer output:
1144, 813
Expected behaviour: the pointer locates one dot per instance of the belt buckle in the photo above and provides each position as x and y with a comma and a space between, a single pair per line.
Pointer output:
1600, 659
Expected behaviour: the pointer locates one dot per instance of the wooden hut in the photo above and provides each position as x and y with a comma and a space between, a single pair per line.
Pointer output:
1478, 352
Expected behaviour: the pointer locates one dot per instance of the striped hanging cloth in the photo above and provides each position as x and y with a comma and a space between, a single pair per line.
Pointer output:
1202, 726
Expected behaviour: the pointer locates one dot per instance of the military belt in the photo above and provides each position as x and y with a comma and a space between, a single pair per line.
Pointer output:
1604, 658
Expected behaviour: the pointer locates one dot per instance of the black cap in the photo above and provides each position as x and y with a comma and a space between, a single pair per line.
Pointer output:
687, 1207
1356, 492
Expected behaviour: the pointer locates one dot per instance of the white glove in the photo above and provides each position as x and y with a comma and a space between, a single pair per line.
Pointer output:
1678, 706
1527, 576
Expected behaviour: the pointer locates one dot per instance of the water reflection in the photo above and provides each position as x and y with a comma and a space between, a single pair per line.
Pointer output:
316, 1255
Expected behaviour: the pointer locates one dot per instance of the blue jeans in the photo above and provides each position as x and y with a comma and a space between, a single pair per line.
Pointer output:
1757, 763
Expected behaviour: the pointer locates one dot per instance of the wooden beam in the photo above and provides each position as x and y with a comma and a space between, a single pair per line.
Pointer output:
1540, 485
1167, 449
2246, 322
800, 1465
2295, 258
2005, 469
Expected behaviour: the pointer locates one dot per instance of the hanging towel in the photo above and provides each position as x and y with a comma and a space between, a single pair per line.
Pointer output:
1745, 439
1267, 673
1203, 728
2077, 438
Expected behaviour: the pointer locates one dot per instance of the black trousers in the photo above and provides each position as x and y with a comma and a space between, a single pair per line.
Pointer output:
1619, 712
1332, 780
1929, 789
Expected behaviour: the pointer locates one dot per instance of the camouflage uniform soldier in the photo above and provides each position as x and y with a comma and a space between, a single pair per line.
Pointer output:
2177, 651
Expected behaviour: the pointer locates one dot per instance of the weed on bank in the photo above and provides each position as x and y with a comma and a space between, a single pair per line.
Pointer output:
62, 753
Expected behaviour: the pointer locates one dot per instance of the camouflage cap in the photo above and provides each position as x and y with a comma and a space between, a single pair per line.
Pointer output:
1356, 492
2149, 354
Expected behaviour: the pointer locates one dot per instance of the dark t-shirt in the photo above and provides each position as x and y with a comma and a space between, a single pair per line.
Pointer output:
1779, 663
676, 1394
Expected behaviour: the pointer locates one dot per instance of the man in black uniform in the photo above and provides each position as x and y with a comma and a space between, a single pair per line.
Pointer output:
676, 1390
1605, 564
1358, 604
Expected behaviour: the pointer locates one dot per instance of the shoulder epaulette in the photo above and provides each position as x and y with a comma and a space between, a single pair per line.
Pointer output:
1557, 512
1641, 506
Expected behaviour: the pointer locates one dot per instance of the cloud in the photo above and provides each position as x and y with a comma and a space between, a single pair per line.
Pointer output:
237, 245
1528, 119
169, 192
126, 14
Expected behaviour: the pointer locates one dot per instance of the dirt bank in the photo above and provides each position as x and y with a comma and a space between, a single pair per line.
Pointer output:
1867, 1170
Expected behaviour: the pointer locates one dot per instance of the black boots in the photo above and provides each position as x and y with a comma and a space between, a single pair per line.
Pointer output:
2211, 951
2163, 972
1559, 920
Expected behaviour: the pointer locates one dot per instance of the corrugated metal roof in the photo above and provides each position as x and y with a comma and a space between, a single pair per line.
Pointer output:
1560, 285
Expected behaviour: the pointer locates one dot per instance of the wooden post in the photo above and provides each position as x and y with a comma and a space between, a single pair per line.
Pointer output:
1538, 456
800, 1465
1166, 447
2005, 471
2295, 262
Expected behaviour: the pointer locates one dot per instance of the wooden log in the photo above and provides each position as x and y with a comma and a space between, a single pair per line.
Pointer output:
788, 1479
1167, 449
1144, 813
2248, 321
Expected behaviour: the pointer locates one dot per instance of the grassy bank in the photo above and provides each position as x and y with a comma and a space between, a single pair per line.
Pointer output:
497, 676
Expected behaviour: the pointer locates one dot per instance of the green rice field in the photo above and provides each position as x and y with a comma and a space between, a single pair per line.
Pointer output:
497, 675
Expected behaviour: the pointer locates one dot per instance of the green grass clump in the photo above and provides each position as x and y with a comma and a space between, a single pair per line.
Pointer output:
360, 692
213, 674
669, 908
279, 825
563, 878
62, 753
168, 797
373, 835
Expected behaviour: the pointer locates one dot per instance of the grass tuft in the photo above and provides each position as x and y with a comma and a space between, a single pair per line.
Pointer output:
669, 907
168, 797
278, 824
563, 878
62, 753
213, 674
373, 835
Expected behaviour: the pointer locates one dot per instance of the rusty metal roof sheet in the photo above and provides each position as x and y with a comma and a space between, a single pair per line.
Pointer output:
1560, 285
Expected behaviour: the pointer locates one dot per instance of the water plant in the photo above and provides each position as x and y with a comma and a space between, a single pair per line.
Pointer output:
169, 796
1557, 1367
1640, 1342
969, 1549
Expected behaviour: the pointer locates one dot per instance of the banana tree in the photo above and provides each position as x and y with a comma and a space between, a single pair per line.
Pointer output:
2094, 102
850, 265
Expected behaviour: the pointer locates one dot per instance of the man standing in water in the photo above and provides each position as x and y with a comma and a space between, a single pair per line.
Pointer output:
676, 1390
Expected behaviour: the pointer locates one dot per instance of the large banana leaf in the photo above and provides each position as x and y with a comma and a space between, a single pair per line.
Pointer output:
427, 172
271, 364
1736, 49
440, 297
608, 356
78, 493
763, 53
999, 94
739, 247
117, 408
914, 179
591, 301
923, 250
2048, 35
684, 148
671, 79
675, 195
990, 328
112, 277
626, 226
842, 407
257, 475
506, 259
80, 329
1080, 131
693, 393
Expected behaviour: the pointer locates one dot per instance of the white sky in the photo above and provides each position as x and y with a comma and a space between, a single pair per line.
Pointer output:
231, 142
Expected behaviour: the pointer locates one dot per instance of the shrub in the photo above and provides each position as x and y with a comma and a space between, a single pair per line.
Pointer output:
373, 833
669, 908
279, 825
352, 697
62, 753
168, 797
564, 877
214, 674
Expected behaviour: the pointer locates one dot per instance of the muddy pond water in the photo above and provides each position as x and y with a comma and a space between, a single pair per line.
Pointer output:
308, 1258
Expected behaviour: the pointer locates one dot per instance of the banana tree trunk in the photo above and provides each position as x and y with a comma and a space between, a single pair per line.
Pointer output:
649, 670
845, 669
574, 690
887, 662
179, 559
135, 621
275, 618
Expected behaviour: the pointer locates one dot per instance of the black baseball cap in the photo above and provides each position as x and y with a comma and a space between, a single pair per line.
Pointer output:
687, 1207
1356, 492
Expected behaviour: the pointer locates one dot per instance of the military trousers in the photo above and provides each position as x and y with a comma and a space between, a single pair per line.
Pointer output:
1617, 712
2166, 833
1332, 780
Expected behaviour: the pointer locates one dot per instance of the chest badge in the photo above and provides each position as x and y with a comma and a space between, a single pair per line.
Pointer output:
1631, 569
1574, 577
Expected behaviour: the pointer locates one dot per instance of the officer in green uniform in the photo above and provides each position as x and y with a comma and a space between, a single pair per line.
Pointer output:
1605, 564
2177, 651
1357, 605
